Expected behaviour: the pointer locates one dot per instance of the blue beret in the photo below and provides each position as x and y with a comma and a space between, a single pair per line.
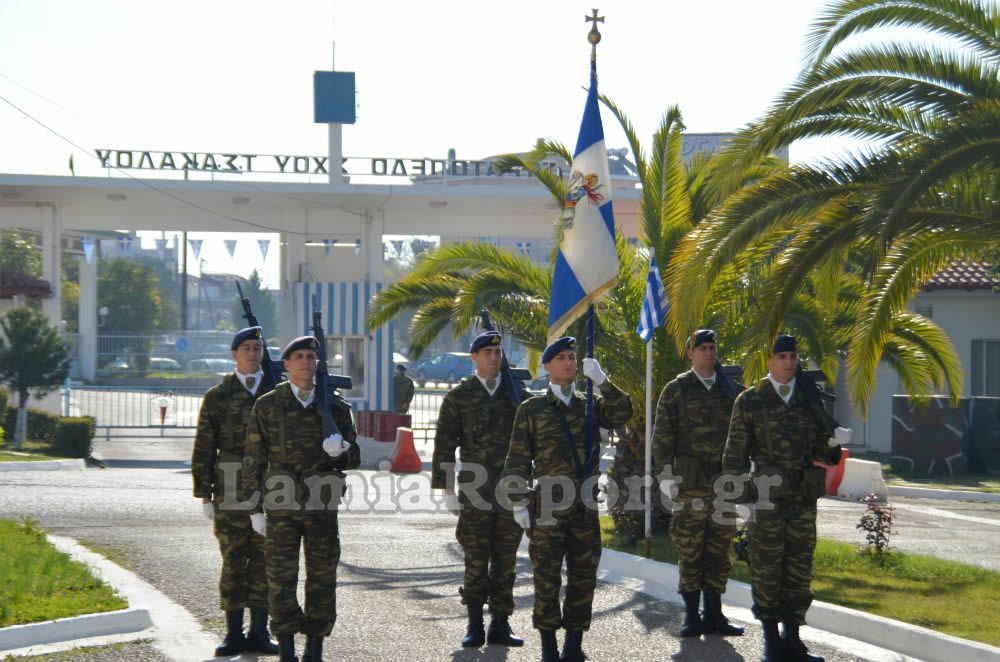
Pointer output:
485, 339
700, 337
784, 343
567, 342
249, 333
302, 342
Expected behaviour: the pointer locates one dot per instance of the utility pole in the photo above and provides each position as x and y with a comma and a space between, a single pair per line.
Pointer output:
184, 280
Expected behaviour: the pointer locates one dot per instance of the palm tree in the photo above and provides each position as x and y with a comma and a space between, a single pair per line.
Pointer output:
851, 240
448, 286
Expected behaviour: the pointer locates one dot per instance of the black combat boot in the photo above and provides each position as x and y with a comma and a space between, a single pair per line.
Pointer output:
573, 647
500, 633
286, 648
258, 638
692, 626
314, 649
715, 622
234, 643
795, 650
475, 634
772, 643
550, 647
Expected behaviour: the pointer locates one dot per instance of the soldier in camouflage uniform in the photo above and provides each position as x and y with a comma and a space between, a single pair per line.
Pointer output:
215, 465
542, 451
477, 416
692, 419
775, 426
402, 390
286, 460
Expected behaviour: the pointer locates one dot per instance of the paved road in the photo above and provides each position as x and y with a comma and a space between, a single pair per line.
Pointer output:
399, 573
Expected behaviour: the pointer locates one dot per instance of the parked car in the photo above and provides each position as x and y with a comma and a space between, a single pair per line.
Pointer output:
218, 366
443, 368
163, 364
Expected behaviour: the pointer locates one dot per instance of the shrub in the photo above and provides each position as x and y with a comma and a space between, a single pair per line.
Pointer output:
4, 396
74, 436
41, 424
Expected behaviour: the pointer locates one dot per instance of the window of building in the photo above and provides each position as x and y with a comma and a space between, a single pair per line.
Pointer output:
986, 367
345, 355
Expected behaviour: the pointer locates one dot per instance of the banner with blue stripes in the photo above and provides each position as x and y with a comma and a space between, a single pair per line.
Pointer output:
654, 304
587, 261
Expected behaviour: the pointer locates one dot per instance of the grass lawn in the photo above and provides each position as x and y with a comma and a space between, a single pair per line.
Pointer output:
950, 597
38, 583
30, 451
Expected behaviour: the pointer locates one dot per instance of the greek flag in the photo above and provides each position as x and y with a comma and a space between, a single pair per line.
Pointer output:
654, 305
587, 262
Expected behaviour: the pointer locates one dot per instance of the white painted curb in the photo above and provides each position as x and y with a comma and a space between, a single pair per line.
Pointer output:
954, 495
886, 633
43, 465
76, 627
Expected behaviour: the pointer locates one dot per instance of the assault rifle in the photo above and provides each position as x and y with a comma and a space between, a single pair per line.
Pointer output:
327, 384
511, 379
272, 369
815, 396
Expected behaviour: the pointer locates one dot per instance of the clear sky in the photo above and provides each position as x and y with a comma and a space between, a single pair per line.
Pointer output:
482, 77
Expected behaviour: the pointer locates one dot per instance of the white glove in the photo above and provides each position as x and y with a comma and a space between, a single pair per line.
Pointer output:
841, 437
522, 517
208, 509
592, 369
334, 445
259, 523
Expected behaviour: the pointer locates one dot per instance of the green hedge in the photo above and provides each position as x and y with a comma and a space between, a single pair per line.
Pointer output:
41, 424
4, 396
74, 436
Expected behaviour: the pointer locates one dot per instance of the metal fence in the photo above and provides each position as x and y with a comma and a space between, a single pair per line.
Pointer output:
136, 407
122, 352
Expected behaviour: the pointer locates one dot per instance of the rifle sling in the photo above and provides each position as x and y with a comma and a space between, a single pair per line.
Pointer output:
571, 444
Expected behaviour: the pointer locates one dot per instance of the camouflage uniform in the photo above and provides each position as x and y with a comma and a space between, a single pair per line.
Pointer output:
402, 393
538, 449
689, 435
284, 439
222, 424
480, 424
782, 440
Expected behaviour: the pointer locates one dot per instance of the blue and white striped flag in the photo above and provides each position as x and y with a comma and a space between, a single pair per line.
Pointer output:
654, 304
587, 262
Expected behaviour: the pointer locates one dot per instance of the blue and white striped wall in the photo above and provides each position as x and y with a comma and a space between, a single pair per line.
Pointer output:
345, 307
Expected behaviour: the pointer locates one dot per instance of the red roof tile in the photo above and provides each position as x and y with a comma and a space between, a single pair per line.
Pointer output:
963, 275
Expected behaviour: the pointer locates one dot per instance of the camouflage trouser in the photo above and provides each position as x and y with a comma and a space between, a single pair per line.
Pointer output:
489, 540
320, 537
575, 536
243, 582
702, 546
782, 542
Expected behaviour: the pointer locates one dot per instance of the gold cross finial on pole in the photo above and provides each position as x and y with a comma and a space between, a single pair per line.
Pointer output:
594, 37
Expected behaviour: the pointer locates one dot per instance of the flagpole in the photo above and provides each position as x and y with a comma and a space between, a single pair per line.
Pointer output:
589, 435
647, 481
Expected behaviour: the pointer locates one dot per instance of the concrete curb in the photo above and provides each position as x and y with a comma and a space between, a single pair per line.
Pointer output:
175, 632
885, 633
43, 465
953, 495
77, 627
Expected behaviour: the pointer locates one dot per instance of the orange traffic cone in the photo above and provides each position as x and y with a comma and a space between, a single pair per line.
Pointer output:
404, 456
